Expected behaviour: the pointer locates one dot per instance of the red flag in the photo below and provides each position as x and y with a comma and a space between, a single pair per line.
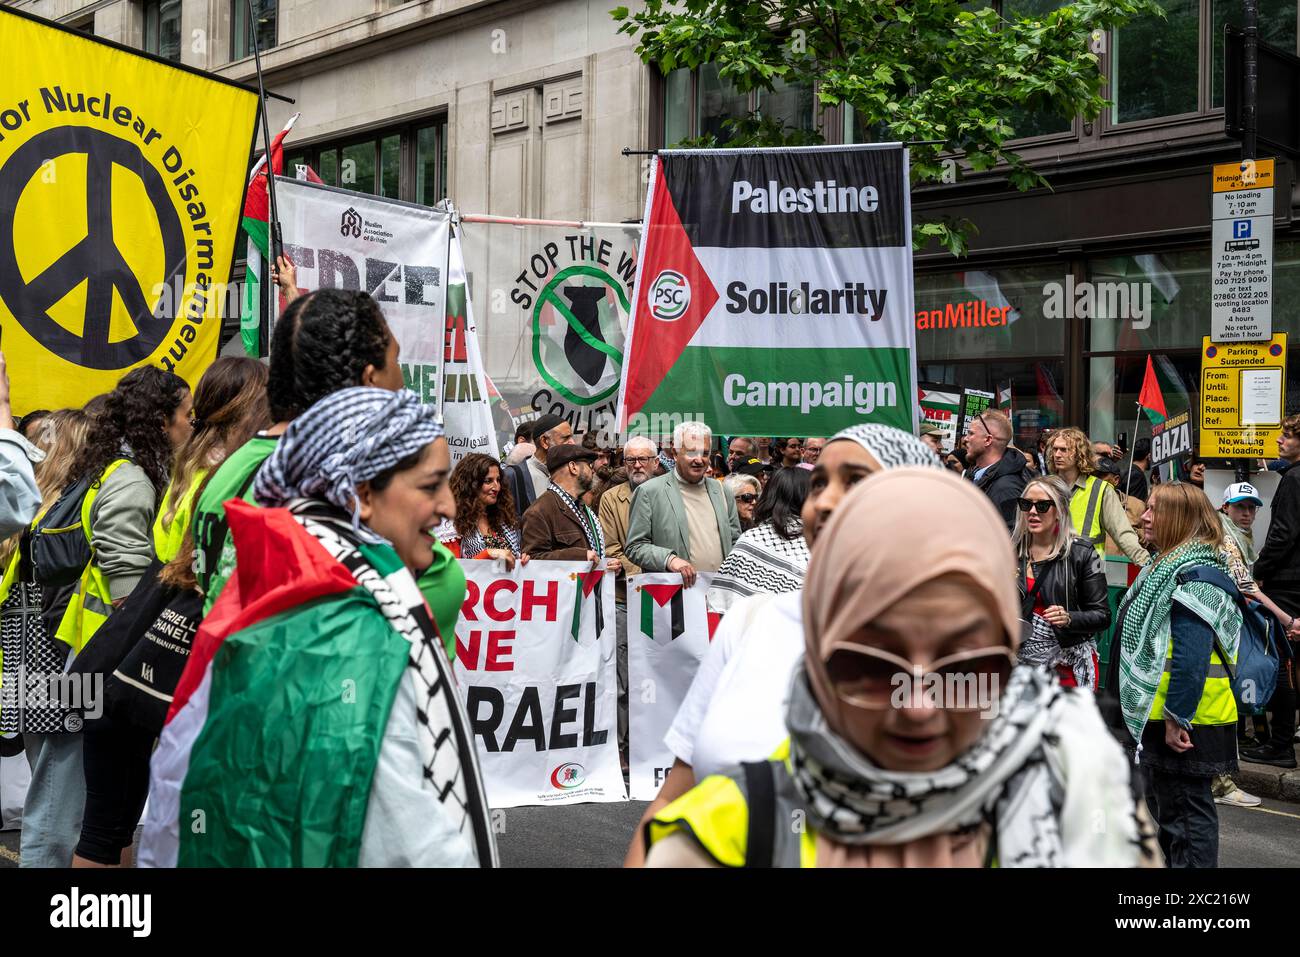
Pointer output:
1150, 399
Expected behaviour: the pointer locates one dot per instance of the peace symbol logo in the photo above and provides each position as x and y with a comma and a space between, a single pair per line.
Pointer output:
584, 350
93, 258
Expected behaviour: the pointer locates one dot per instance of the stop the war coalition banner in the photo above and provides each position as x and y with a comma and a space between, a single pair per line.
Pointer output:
121, 187
774, 292
402, 255
535, 668
668, 632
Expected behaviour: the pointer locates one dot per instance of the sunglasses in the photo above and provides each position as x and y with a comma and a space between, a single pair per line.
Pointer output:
1041, 507
868, 677
748, 498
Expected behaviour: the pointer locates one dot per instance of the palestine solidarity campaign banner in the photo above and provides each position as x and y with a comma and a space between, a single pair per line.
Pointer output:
668, 632
121, 188
535, 667
774, 292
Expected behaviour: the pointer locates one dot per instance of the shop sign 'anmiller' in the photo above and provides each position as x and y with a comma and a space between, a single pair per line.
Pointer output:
121, 186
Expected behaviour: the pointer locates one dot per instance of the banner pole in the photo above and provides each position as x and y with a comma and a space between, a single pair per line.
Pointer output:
275, 240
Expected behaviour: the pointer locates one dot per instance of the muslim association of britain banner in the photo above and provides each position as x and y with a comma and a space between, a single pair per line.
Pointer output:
403, 256
668, 632
535, 668
121, 190
774, 292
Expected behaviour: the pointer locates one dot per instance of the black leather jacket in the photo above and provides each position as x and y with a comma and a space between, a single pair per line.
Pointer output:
1076, 582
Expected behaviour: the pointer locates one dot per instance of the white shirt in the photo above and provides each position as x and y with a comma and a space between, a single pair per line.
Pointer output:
735, 708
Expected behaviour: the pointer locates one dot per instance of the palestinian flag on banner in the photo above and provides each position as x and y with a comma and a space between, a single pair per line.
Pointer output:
256, 226
588, 582
269, 751
1151, 400
673, 623
663, 612
1004, 396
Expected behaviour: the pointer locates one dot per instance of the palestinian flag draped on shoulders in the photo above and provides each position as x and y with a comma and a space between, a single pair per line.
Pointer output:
256, 223
271, 749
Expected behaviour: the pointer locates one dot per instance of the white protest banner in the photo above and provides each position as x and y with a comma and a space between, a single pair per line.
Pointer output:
774, 292
535, 668
465, 409
553, 300
668, 632
397, 252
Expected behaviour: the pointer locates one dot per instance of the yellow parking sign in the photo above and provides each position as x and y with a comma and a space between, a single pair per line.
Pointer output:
1243, 387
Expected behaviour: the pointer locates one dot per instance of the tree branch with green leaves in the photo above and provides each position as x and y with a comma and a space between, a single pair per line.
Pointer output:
944, 78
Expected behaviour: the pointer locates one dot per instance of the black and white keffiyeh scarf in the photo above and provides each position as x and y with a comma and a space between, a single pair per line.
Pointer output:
591, 529
1043, 738
892, 448
447, 751
348, 437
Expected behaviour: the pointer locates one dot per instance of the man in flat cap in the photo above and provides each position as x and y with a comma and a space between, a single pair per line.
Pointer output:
528, 480
558, 527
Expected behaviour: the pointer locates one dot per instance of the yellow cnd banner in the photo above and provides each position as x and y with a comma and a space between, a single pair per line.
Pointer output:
122, 185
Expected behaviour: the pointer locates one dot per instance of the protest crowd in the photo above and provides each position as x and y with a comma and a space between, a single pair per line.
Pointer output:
215, 559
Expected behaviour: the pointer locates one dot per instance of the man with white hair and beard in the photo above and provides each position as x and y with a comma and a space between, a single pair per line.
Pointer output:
640, 456
683, 522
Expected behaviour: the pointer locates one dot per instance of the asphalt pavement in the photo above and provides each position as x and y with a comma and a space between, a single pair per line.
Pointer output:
597, 835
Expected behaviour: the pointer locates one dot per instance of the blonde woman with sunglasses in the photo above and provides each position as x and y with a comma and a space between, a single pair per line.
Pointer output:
1062, 586
914, 740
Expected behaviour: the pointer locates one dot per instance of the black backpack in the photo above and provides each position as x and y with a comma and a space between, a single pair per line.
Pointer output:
60, 547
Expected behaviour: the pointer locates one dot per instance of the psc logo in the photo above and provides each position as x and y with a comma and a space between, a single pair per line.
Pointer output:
568, 776
669, 296
350, 223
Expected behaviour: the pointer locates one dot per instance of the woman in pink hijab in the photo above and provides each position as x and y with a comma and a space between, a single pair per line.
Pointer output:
915, 741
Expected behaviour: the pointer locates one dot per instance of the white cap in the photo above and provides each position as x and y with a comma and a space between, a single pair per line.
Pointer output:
1241, 492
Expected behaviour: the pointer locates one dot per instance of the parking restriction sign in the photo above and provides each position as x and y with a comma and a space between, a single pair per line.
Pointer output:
1242, 238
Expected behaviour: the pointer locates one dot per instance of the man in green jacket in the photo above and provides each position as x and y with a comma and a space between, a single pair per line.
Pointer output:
683, 522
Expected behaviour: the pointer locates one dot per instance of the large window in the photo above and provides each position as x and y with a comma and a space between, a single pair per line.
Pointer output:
162, 28
1277, 27
265, 15
698, 103
1173, 66
997, 330
1158, 304
409, 163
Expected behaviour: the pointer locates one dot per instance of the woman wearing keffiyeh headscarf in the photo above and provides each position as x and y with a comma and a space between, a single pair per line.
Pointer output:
316, 723
735, 708
914, 742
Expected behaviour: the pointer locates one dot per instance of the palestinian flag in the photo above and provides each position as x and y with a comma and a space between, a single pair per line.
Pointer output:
588, 582
774, 292
256, 227
269, 752
1150, 399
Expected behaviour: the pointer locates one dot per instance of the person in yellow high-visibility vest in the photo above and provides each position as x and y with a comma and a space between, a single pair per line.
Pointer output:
128, 456
1095, 508
1178, 636
914, 741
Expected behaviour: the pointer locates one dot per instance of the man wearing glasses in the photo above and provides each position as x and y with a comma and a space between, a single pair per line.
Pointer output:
683, 522
640, 456
999, 471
